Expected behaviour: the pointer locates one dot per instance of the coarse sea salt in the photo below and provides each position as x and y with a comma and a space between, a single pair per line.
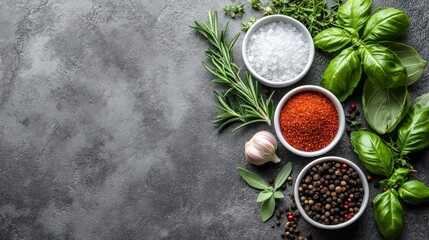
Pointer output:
278, 51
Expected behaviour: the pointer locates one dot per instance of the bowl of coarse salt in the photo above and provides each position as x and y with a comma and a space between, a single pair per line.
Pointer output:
278, 50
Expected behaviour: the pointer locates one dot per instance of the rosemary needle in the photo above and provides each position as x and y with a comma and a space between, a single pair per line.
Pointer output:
241, 102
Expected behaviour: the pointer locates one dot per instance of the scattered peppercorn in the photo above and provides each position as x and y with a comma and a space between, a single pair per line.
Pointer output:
369, 178
377, 184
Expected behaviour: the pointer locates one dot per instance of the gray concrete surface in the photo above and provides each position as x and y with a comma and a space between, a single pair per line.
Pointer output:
106, 132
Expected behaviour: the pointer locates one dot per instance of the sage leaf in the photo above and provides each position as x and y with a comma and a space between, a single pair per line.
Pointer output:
343, 74
382, 66
354, 13
332, 39
264, 195
398, 177
278, 195
413, 133
384, 108
372, 152
388, 214
414, 64
267, 209
385, 24
282, 175
252, 179
414, 192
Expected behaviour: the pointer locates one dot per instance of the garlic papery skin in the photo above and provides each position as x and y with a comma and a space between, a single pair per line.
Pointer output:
261, 148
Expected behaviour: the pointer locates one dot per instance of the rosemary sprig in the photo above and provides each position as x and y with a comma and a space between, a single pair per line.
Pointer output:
241, 102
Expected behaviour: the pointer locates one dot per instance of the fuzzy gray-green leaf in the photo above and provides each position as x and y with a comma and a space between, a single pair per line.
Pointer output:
252, 179
267, 209
264, 195
282, 175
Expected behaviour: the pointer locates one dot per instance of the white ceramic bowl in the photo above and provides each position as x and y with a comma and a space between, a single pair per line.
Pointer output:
278, 18
338, 107
336, 159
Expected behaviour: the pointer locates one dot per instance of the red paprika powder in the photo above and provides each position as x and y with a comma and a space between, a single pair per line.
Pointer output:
309, 121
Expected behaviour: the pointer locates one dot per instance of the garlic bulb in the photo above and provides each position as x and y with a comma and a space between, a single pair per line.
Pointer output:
261, 148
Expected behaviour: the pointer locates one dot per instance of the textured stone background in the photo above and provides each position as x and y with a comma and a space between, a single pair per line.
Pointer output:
106, 133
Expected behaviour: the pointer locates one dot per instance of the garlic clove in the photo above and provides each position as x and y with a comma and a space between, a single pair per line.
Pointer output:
261, 148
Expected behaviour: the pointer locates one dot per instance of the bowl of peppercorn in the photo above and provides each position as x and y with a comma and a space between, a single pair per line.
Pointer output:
309, 121
331, 192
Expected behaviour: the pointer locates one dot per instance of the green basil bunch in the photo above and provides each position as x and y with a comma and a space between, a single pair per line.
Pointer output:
268, 194
388, 213
362, 38
378, 158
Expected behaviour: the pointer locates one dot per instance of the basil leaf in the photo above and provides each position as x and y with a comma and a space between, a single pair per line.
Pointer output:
354, 13
388, 214
332, 39
372, 152
398, 177
414, 192
252, 179
267, 209
385, 24
282, 176
264, 195
413, 133
343, 74
414, 64
278, 195
382, 66
384, 108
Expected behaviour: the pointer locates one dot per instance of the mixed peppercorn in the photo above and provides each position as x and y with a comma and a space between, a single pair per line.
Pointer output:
331, 193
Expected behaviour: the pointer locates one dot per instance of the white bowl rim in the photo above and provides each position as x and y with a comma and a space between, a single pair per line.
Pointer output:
337, 159
338, 107
270, 19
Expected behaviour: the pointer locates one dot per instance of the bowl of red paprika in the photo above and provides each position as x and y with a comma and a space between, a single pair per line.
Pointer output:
309, 121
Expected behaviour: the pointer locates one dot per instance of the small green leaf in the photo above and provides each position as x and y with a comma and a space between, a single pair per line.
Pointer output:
354, 13
278, 195
252, 179
267, 209
414, 64
385, 24
343, 74
282, 176
414, 192
332, 39
384, 108
413, 133
382, 66
264, 195
388, 214
373, 153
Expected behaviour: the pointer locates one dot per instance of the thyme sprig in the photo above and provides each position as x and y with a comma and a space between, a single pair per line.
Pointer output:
241, 102
314, 14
